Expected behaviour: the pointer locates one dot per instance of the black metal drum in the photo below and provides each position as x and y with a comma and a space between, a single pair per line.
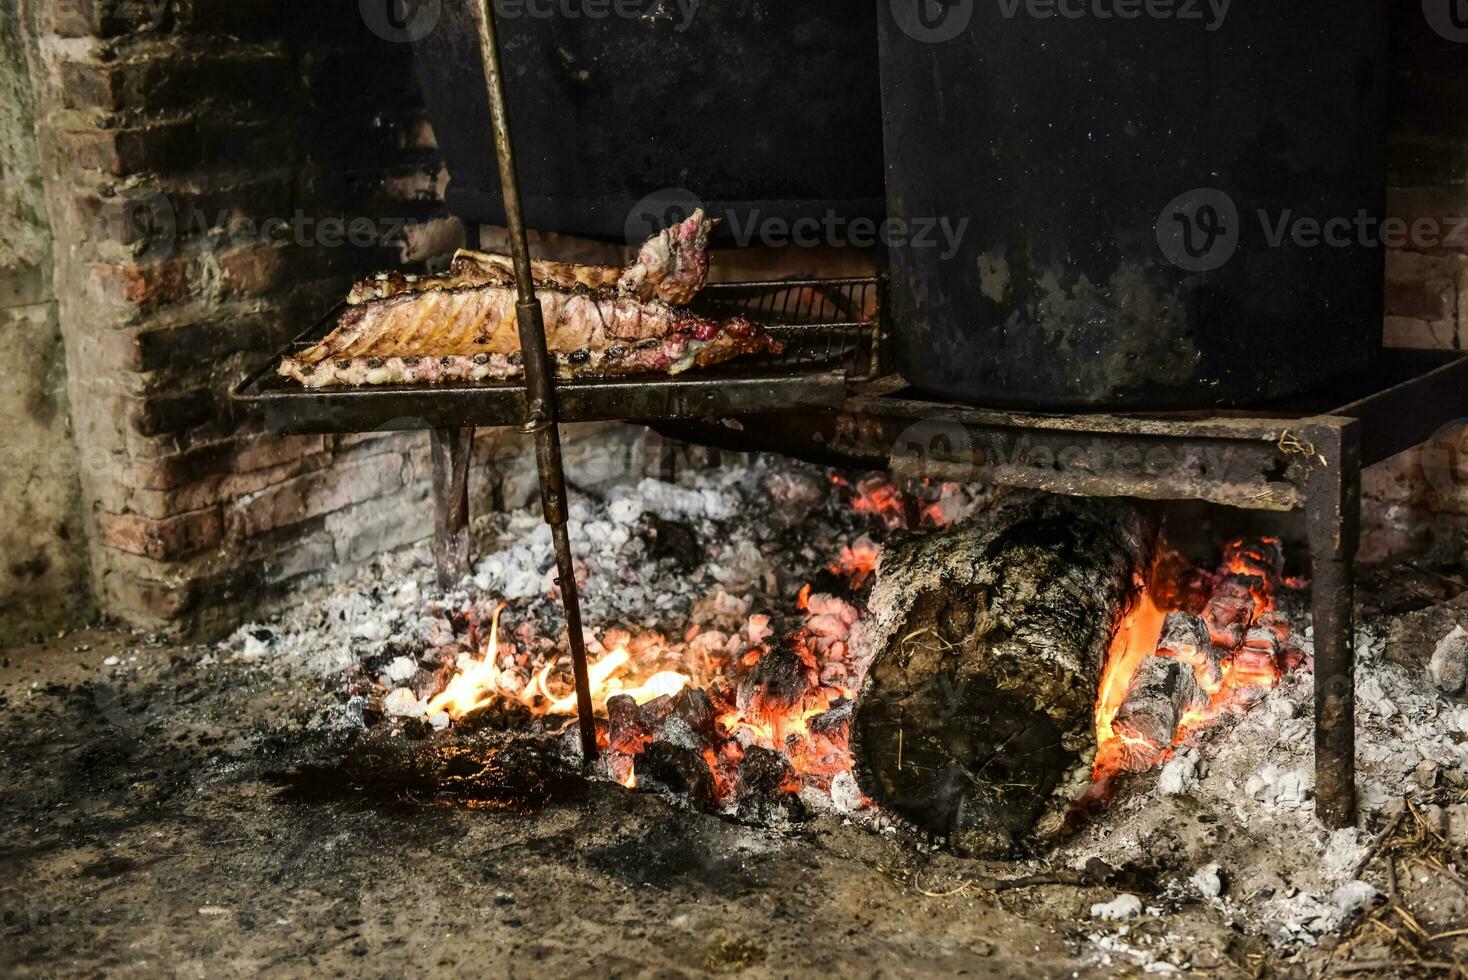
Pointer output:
625, 113
1161, 204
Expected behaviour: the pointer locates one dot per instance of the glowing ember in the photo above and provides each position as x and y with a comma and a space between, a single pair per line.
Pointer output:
735, 691
1135, 641
1235, 649
479, 682
857, 561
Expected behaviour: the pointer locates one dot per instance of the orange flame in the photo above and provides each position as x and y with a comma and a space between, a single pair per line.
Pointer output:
1252, 665
481, 681
1135, 641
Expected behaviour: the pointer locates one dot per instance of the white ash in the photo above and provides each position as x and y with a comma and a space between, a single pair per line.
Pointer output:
333, 627
1208, 881
1449, 666
1180, 774
1239, 794
1123, 906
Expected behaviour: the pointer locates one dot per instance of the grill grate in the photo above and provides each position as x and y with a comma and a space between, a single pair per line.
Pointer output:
831, 329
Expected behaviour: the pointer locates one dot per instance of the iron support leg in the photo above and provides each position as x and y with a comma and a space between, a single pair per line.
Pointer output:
451, 451
1333, 513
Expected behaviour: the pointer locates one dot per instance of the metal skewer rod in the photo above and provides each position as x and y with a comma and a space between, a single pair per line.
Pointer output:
540, 396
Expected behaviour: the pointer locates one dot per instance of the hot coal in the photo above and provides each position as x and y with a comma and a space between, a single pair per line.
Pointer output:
690, 718
627, 734
1162, 692
764, 786
834, 724
679, 769
1187, 638
777, 684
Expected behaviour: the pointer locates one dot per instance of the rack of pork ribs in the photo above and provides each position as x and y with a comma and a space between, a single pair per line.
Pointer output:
649, 340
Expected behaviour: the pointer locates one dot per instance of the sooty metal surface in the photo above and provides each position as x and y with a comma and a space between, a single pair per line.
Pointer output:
829, 326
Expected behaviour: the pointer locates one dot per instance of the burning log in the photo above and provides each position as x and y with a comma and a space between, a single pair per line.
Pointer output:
990, 641
1162, 692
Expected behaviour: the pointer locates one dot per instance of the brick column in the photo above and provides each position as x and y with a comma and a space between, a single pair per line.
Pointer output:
216, 173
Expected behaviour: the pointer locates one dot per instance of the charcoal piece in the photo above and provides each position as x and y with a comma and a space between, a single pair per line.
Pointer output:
777, 683
680, 770
498, 714
1227, 638
690, 719
654, 711
835, 722
762, 786
1188, 639
671, 539
1162, 692
1183, 635
990, 639
1262, 640
1229, 610
627, 734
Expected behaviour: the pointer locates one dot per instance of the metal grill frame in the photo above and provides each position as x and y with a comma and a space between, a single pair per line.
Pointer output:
831, 329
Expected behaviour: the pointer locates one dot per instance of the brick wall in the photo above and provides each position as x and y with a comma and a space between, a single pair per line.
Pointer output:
42, 550
1410, 508
216, 173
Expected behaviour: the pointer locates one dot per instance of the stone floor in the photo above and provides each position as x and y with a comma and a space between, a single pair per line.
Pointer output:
173, 813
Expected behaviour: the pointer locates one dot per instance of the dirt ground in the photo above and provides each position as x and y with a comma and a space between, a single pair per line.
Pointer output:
170, 813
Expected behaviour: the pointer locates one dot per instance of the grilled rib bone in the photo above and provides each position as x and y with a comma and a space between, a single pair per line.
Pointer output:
672, 266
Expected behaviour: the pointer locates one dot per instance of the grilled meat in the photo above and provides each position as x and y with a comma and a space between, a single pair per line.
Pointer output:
672, 266
469, 333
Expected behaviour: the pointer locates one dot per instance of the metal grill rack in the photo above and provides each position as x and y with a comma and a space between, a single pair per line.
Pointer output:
830, 328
